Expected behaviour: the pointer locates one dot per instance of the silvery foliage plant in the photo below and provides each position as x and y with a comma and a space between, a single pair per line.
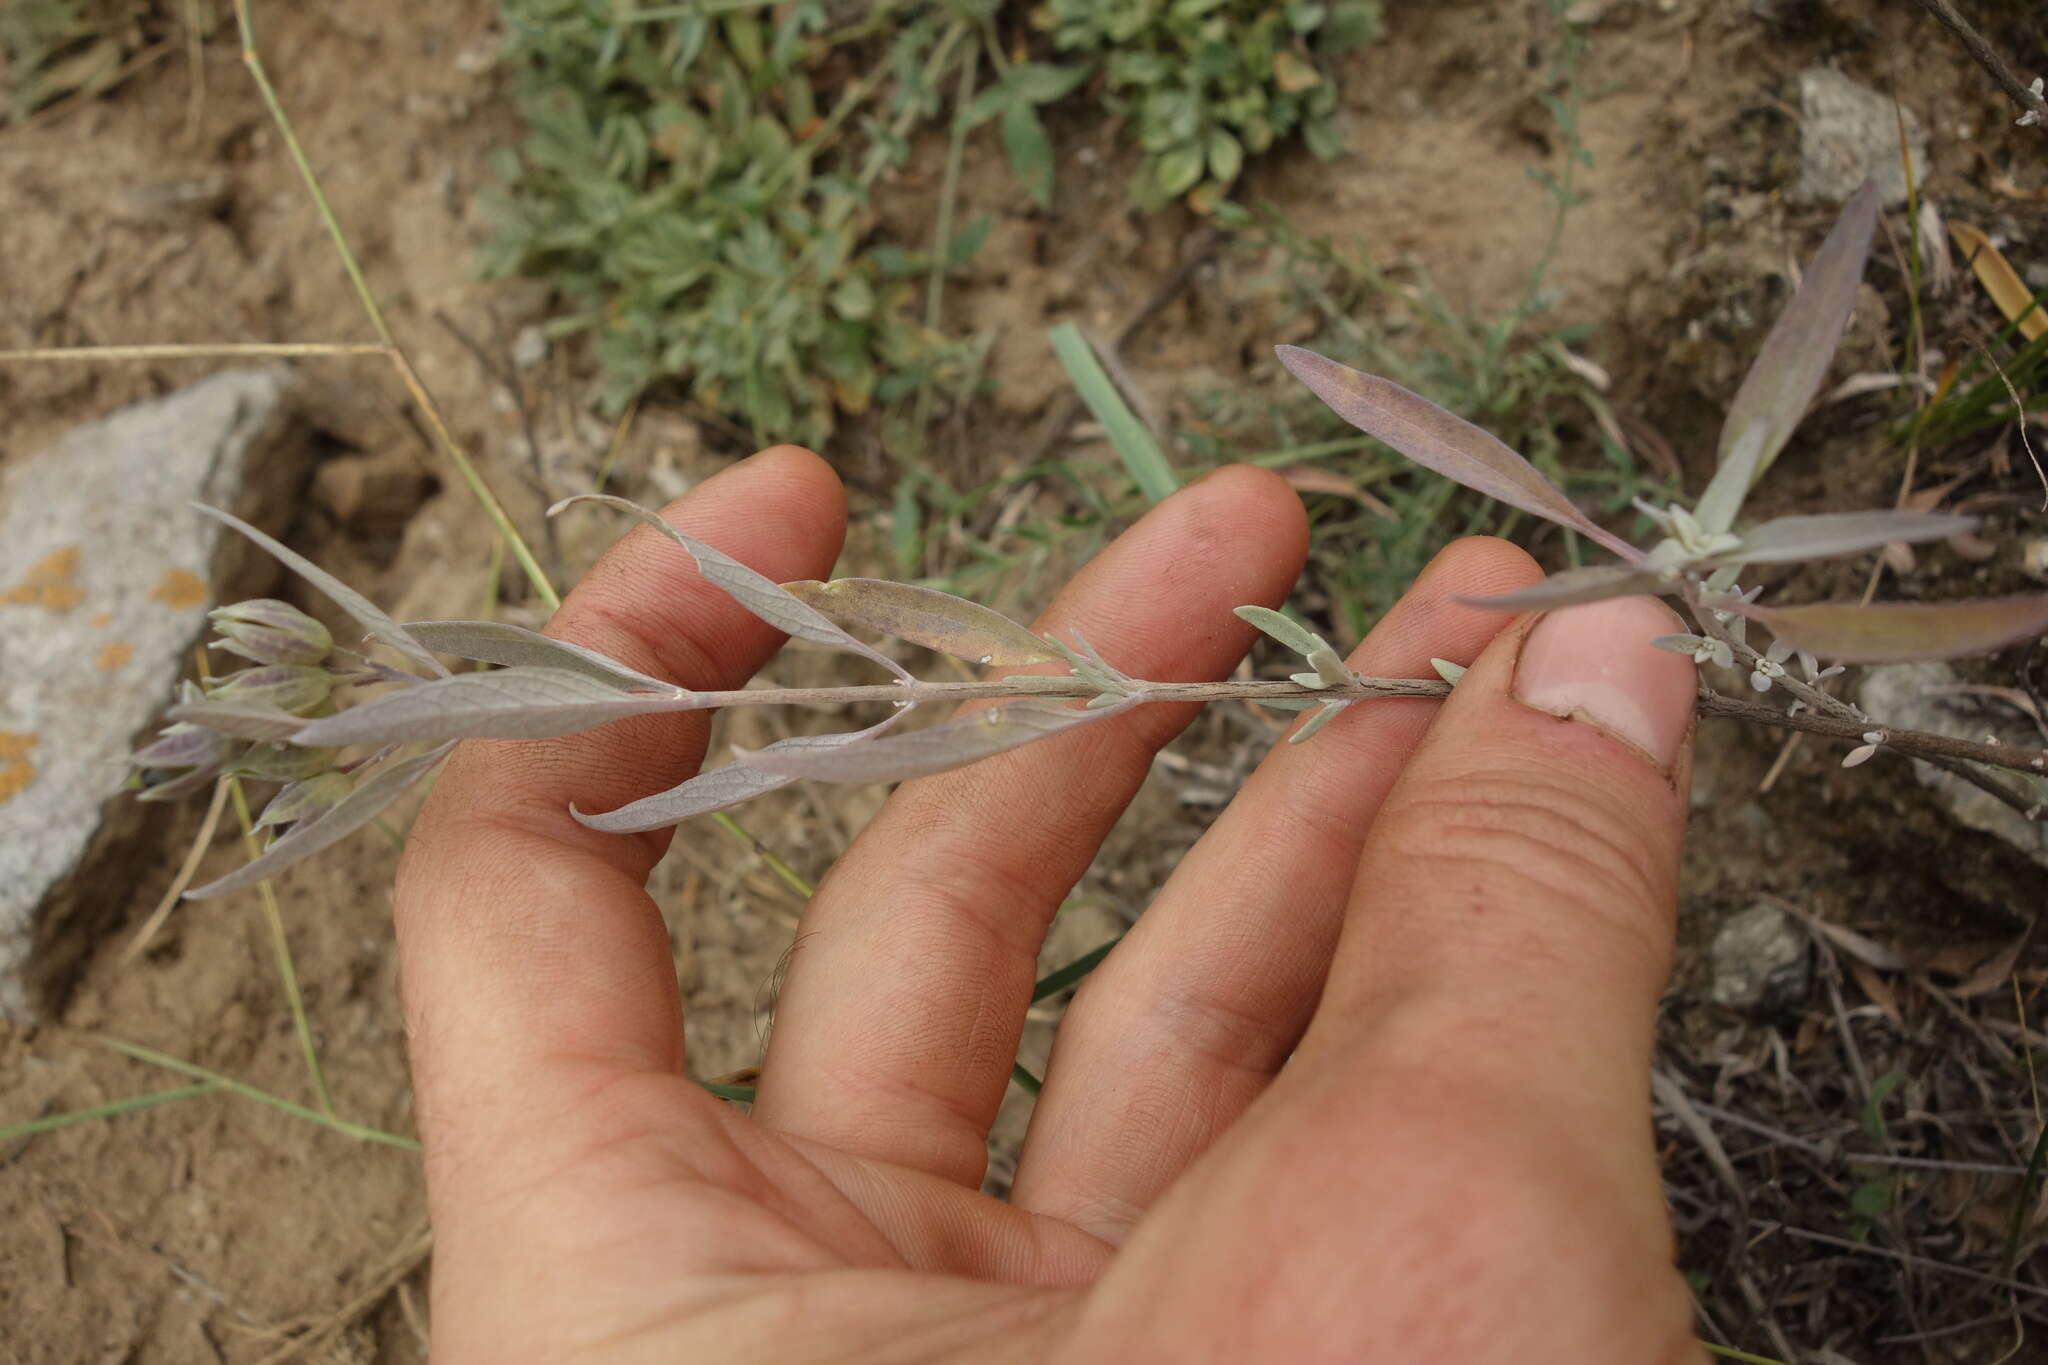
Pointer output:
282, 721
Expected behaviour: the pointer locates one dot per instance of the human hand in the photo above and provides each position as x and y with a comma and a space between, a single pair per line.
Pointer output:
1368, 1078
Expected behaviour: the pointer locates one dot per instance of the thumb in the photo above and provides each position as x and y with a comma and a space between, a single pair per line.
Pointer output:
1520, 883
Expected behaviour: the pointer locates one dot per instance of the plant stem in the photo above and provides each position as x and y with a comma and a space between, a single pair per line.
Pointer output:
188, 351
1832, 716
1987, 57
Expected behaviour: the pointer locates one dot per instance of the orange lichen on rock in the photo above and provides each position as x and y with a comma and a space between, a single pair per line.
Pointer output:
179, 589
16, 771
48, 583
102, 619
114, 655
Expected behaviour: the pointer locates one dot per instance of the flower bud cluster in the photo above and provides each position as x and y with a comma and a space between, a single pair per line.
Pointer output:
289, 651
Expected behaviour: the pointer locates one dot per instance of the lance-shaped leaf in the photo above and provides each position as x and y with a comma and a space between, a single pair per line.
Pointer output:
925, 616
493, 642
758, 593
366, 613
719, 788
505, 703
1443, 442
1569, 588
1794, 358
935, 749
1895, 632
1283, 628
1842, 533
331, 826
243, 720
1317, 721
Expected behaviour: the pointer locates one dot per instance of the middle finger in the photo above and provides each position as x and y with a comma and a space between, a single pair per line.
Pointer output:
898, 1023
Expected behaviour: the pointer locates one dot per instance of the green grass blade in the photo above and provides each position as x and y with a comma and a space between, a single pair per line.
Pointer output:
111, 1109
1024, 1078
1055, 982
359, 1131
1141, 455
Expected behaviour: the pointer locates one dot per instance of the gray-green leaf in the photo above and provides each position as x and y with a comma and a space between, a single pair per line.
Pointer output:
1573, 586
756, 592
1787, 539
308, 837
493, 642
928, 617
935, 749
506, 703
366, 613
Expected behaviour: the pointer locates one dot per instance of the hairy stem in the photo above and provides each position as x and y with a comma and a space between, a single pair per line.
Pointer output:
1832, 716
1839, 721
1987, 57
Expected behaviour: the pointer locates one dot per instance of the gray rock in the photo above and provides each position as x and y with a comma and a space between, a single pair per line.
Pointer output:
1760, 961
106, 576
1848, 132
1917, 697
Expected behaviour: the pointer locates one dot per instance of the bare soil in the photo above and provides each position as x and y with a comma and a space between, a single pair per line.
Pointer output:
218, 1229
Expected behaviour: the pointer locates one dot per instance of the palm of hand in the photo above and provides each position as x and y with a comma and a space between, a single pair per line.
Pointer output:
1293, 1116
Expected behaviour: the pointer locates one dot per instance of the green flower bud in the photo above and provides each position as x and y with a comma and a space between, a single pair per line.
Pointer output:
282, 763
268, 631
304, 799
295, 688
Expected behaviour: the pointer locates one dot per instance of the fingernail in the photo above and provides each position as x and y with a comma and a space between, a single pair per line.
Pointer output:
1595, 664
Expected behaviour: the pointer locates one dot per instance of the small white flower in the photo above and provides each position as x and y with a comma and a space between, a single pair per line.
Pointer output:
2032, 116
1771, 666
1859, 755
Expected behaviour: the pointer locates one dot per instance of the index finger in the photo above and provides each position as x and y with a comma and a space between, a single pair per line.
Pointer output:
534, 964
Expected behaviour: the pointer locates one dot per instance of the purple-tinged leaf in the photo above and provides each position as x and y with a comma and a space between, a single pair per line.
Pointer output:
330, 827
182, 746
925, 616
504, 703
1443, 442
1573, 586
718, 788
936, 749
243, 720
1842, 533
493, 642
1896, 632
1795, 356
184, 784
758, 593
366, 613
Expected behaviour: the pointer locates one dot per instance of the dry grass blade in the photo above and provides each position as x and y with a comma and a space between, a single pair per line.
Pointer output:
2000, 280
201, 841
